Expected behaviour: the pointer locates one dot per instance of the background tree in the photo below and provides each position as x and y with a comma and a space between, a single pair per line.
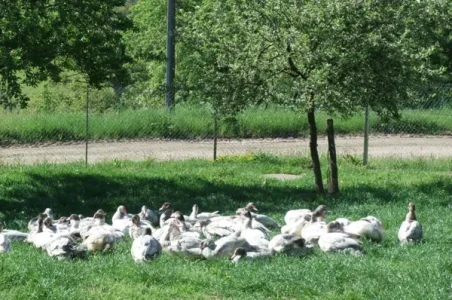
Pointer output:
311, 55
41, 39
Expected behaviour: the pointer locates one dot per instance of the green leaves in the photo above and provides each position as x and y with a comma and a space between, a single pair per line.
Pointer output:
40, 38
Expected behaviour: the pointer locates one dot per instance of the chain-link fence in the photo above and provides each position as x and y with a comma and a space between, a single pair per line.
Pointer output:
86, 124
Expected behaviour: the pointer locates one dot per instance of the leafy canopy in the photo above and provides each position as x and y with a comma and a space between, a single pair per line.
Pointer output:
41, 38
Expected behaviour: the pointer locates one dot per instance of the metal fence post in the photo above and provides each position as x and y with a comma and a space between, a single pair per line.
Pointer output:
86, 124
170, 54
366, 136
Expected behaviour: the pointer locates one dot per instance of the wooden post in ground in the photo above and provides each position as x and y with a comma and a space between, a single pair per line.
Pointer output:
333, 187
314, 152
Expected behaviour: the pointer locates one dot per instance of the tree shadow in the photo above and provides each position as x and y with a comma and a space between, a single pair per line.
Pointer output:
85, 193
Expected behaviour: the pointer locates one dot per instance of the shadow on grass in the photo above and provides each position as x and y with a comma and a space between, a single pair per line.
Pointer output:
85, 193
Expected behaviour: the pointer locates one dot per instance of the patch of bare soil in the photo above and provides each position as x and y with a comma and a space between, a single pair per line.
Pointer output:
379, 146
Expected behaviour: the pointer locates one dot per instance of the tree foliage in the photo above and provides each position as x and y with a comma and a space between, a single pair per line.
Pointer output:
41, 38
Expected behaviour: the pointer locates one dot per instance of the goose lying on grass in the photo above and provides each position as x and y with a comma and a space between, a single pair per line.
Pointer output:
145, 247
288, 244
312, 231
369, 227
64, 247
138, 227
335, 240
149, 215
14, 235
241, 254
33, 223
263, 219
196, 215
5, 245
121, 220
411, 230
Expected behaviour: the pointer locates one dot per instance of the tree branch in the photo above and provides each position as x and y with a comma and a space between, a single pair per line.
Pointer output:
293, 68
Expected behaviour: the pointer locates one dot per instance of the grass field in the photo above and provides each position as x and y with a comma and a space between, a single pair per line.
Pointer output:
386, 271
190, 123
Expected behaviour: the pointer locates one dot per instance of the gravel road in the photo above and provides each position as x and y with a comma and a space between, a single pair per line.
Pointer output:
380, 146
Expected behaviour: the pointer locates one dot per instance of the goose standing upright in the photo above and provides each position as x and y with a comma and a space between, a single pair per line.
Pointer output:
411, 230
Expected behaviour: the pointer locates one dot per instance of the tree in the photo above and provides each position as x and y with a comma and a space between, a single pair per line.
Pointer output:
330, 55
40, 39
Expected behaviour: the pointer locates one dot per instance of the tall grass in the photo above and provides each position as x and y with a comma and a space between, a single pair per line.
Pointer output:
386, 271
197, 122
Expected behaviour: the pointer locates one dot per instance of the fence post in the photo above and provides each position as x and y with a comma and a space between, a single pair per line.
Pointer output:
366, 136
170, 54
86, 124
334, 180
215, 136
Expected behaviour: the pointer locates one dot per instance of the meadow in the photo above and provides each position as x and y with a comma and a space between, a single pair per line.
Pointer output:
188, 122
382, 189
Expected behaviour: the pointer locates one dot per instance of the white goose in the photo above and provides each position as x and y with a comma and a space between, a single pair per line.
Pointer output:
182, 244
145, 247
43, 235
149, 215
263, 219
63, 247
225, 246
196, 215
5, 245
312, 231
14, 235
411, 230
256, 237
295, 228
288, 244
241, 254
33, 223
293, 216
165, 212
121, 220
369, 227
138, 227
100, 236
335, 240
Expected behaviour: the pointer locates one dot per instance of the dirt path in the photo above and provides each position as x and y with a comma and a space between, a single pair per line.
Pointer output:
380, 146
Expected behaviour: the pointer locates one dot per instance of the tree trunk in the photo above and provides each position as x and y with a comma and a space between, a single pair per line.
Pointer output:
333, 187
314, 153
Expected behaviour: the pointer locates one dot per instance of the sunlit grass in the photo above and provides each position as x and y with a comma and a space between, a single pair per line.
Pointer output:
196, 122
386, 271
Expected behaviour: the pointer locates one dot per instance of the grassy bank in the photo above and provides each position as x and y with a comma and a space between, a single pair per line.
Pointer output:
386, 271
190, 123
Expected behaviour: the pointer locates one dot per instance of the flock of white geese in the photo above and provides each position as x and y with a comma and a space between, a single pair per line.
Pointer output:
208, 235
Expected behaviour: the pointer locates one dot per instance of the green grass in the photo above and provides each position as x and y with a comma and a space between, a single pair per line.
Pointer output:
386, 271
191, 123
